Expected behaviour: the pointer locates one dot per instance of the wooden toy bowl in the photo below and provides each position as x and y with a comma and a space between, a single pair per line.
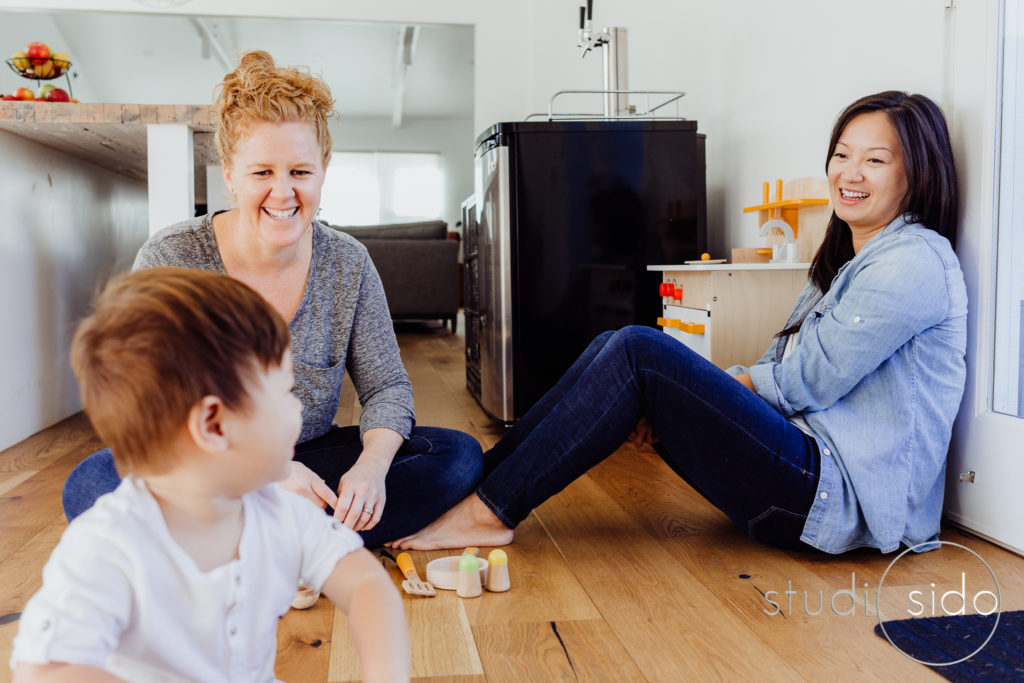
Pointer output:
444, 572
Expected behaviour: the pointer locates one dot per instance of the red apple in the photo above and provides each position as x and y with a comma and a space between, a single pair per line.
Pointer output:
57, 95
24, 94
37, 52
8, 98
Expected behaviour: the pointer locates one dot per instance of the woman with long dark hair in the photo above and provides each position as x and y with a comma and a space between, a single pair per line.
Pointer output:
837, 437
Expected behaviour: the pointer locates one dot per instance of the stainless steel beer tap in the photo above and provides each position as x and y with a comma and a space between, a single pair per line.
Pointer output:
613, 40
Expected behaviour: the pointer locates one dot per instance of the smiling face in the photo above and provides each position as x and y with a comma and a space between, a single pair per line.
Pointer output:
866, 178
277, 172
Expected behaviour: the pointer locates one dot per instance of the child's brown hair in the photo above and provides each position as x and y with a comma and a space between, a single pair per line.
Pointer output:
158, 341
258, 90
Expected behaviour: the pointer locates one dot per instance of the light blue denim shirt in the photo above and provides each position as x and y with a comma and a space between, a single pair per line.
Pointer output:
878, 373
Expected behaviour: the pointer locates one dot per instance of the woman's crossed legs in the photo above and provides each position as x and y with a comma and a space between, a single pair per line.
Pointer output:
733, 447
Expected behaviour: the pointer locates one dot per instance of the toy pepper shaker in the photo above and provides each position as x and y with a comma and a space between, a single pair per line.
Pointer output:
497, 576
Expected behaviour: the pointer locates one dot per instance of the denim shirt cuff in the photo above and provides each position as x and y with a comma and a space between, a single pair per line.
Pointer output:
763, 378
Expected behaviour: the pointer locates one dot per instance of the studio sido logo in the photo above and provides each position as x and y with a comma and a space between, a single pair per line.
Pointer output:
958, 601
906, 595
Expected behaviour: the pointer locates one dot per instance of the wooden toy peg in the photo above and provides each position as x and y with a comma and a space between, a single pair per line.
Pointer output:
498, 578
469, 578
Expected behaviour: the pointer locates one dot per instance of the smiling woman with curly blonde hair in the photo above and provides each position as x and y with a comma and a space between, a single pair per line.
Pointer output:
273, 138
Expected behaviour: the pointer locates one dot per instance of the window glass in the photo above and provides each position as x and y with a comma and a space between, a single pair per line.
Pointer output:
365, 188
1007, 395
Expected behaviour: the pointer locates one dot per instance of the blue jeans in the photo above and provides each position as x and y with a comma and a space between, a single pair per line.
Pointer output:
728, 443
433, 470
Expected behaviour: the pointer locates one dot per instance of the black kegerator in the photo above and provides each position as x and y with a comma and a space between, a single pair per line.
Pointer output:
565, 217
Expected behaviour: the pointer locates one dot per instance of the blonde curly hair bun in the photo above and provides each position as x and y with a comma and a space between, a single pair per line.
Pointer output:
258, 90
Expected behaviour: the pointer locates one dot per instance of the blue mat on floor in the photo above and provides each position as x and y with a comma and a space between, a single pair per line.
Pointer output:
946, 639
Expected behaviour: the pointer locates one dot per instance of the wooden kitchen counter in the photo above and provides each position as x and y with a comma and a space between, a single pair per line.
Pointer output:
112, 136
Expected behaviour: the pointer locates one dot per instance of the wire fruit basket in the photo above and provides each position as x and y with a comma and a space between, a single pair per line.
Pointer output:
39, 69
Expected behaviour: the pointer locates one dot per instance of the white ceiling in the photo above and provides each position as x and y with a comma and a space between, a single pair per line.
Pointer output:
152, 59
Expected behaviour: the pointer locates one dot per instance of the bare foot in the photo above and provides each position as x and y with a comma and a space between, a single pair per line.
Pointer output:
468, 523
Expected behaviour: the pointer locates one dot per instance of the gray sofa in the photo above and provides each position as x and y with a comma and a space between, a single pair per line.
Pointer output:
418, 265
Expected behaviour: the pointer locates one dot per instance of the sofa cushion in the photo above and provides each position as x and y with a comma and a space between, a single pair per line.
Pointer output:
420, 278
425, 230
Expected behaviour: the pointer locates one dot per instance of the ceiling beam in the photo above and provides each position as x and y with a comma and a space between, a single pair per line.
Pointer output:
213, 42
406, 47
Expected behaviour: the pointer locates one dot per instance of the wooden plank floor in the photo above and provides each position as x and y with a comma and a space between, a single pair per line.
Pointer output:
627, 575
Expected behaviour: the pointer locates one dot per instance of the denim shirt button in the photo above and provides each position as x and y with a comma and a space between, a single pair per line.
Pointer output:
856, 318
823, 495
826, 451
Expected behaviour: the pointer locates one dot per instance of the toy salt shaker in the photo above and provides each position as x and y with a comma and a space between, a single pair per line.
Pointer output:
469, 577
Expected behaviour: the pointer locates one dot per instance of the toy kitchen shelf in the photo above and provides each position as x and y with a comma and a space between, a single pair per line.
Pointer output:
729, 312
113, 136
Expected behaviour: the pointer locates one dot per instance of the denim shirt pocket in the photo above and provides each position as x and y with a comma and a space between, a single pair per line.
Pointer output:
319, 390
820, 310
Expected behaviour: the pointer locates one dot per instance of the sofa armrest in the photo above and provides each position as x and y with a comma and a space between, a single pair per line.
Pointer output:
420, 277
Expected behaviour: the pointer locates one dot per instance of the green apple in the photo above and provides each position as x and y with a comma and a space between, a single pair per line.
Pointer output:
43, 91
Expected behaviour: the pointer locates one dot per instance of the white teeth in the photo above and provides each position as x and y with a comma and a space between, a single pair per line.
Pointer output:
850, 194
280, 215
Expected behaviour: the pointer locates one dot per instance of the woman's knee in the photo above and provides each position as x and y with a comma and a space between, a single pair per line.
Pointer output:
637, 334
637, 341
90, 479
467, 456
467, 459
463, 457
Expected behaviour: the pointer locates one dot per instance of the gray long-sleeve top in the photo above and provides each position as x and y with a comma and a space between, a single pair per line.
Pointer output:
342, 321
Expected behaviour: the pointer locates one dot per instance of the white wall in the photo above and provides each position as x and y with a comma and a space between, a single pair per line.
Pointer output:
66, 226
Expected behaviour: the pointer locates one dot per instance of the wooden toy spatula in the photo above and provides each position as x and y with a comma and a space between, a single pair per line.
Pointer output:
413, 584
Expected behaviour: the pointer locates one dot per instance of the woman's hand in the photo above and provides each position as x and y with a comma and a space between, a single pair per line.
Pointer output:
643, 433
361, 492
745, 380
306, 483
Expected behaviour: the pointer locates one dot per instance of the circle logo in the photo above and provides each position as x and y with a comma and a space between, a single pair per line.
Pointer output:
962, 595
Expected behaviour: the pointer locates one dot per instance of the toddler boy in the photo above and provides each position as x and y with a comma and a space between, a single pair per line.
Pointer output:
182, 572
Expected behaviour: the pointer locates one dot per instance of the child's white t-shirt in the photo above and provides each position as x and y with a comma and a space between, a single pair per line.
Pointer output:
119, 593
